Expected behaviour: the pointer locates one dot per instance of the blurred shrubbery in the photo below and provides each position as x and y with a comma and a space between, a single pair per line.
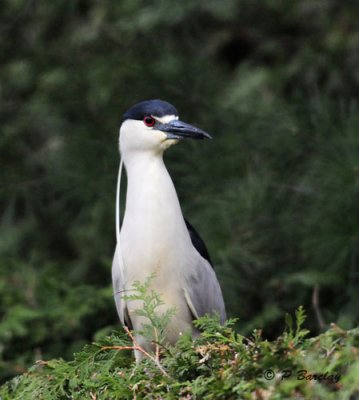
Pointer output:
274, 195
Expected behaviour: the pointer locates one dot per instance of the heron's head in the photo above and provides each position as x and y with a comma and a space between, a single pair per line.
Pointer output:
153, 125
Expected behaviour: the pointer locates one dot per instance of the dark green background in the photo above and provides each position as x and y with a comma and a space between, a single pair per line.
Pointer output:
275, 195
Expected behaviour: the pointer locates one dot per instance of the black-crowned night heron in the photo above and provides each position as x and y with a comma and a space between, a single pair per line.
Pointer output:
155, 238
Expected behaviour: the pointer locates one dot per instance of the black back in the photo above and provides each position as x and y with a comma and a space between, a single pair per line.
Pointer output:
157, 108
198, 243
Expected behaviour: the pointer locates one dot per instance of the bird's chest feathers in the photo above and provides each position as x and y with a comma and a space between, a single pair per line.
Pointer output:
153, 248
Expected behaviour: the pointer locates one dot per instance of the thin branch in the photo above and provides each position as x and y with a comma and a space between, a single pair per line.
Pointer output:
157, 347
137, 347
315, 303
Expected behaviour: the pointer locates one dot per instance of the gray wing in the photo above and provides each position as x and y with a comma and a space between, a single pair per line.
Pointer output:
202, 291
118, 290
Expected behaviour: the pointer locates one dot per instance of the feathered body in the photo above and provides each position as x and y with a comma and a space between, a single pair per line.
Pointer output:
156, 240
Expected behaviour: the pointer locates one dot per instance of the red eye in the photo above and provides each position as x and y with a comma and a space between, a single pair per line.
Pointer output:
149, 121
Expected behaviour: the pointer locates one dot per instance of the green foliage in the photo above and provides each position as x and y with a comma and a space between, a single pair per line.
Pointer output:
155, 329
274, 195
219, 364
295, 335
